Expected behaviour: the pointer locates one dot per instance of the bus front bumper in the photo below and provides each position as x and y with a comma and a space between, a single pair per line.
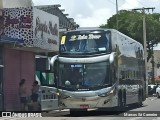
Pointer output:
86, 102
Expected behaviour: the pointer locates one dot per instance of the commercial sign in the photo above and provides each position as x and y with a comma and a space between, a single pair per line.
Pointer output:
31, 27
17, 25
46, 30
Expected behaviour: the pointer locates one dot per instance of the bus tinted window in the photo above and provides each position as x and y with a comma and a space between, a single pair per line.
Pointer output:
84, 43
81, 76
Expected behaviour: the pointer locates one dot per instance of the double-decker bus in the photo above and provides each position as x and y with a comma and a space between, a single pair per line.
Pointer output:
99, 68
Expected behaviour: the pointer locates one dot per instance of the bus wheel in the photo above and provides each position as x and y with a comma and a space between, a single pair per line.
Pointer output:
140, 98
157, 95
120, 102
124, 99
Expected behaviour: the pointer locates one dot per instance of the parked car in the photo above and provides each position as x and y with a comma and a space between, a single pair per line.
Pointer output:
152, 89
158, 91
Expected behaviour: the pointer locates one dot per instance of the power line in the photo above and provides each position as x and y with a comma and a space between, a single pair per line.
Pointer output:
128, 3
141, 3
112, 2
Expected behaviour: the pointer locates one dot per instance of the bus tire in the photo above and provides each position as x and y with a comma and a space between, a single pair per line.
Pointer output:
157, 94
120, 101
140, 97
124, 98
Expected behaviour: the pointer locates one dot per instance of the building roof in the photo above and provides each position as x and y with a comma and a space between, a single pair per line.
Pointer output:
64, 21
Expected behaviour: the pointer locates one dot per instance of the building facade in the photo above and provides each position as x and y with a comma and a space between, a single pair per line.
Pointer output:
26, 32
156, 68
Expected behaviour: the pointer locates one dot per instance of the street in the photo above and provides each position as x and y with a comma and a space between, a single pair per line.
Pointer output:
150, 110
150, 106
100, 55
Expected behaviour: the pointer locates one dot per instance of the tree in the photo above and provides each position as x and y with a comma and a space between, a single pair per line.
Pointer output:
130, 23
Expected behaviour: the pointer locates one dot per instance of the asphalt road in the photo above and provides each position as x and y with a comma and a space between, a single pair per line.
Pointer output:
149, 111
151, 104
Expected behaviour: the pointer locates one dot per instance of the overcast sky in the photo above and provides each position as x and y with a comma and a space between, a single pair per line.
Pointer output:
92, 13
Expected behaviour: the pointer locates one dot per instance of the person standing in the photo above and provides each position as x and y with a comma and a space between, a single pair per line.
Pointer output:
35, 90
23, 94
34, 97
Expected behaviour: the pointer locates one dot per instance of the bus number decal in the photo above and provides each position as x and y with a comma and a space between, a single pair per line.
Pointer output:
63, 39
84, 37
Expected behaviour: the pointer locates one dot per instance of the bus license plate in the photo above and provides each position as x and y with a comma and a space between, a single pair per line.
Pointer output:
84, 106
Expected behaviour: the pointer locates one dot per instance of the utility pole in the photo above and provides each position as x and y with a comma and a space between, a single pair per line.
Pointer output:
117, 13
152, 60
144, 42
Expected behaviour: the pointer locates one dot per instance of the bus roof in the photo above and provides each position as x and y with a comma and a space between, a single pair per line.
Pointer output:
97, 28
88, 29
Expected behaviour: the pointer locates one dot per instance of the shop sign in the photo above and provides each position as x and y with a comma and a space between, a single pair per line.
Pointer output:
30, 27
46, 30
18, 25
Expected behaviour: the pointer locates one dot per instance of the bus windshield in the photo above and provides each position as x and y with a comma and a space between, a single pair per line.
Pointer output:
84, 43
84, 76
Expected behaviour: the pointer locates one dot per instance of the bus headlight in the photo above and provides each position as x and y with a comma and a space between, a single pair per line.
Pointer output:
111, 92
58, 94
106, 94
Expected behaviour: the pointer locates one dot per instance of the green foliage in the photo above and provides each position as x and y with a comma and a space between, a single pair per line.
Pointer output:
131, 24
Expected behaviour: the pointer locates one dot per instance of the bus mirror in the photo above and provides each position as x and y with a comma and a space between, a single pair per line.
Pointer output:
111, 57
53, 59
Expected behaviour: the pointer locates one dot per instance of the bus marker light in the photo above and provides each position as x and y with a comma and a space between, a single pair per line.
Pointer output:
57, 94
111, 92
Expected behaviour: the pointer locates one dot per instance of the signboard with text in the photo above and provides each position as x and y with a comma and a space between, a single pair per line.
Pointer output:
30, 27
17, 25
45, 30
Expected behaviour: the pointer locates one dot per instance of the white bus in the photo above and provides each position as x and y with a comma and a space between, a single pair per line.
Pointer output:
99, 68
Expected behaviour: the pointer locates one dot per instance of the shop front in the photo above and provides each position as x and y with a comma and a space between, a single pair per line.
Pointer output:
1, 77
27, 32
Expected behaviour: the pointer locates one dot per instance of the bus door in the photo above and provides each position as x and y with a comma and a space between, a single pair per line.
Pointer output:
48, 97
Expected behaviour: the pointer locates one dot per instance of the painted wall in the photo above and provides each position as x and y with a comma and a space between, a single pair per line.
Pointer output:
31, 27
18, 65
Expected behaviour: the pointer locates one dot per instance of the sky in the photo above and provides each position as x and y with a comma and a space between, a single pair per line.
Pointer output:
93, 13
